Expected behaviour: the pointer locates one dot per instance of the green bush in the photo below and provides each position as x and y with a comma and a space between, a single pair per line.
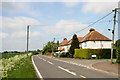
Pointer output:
100, 53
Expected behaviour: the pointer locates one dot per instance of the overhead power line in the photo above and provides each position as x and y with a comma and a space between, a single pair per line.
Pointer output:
95, 22
90, 24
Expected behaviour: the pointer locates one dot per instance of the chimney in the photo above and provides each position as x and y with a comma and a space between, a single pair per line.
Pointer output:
65, 39
92, 30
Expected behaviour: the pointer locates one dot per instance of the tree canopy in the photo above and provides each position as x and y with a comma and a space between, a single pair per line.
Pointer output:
50, 46
74, 44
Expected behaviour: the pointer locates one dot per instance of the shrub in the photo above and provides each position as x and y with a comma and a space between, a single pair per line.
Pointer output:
100, 53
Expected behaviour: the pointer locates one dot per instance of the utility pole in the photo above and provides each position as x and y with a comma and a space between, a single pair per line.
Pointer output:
27, 38
113, 35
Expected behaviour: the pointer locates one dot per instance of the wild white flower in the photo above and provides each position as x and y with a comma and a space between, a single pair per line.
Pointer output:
9, 64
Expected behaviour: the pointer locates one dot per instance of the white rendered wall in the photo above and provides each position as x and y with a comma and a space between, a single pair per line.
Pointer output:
96, 44
63, 47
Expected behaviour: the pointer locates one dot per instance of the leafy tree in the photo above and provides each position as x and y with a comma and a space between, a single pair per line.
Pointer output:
118, 50
51, 46
57, 42
74, 44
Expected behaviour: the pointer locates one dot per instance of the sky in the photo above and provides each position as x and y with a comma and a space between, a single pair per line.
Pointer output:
49, 20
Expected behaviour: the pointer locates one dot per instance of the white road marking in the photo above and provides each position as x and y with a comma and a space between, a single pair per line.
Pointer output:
39, 74
67, 71
49, 62
44, 60
70, 62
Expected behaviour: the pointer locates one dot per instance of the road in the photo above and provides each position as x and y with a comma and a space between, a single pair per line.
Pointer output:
51, 68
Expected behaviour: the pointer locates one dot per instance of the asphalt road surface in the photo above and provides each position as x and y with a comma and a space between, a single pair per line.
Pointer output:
53, 69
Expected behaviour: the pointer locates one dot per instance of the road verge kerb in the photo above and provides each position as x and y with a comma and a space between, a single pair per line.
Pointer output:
91, 66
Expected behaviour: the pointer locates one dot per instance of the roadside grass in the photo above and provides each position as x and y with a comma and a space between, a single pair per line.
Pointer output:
26, 70
23, 68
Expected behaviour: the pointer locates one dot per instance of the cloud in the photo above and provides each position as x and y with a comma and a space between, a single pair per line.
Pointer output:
63, 27
36, 34
99, 7
17, 23
3, 35
14, 33
17, 40
71, 4
15, 7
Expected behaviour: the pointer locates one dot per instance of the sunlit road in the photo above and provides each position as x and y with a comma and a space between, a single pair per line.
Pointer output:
51, 68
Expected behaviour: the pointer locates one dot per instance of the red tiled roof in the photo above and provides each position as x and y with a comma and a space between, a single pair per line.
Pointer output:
79, 38
64, 42
95, 36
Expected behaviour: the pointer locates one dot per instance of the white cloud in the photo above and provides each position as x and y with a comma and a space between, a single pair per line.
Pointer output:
15, 7
64, 27
17, 40
17, 23
3, 35
23, 34
36, 34
71, 4
18, 35
99, 7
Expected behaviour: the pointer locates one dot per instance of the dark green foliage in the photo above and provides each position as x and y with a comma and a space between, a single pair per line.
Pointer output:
57, 42
100, 53
74, 44
9, 55
118, 50
64, 54
35, 53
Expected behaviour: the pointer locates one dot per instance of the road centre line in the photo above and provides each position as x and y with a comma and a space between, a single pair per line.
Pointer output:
70, 63
49, 62
44, 60
73, 73
82, 76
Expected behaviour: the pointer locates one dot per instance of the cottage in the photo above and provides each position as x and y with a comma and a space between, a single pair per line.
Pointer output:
92, 40
95, 40
62, 46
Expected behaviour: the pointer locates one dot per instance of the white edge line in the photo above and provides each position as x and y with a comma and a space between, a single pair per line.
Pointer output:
40, 76
67, 70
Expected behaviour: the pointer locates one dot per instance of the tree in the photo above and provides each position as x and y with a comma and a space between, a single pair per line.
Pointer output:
51, 46
57, 43
74, 44
117, 44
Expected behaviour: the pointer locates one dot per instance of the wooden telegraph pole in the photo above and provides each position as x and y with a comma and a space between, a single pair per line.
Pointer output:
27, 38
113, 35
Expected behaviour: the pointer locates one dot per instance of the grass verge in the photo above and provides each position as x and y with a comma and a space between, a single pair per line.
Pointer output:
23, 69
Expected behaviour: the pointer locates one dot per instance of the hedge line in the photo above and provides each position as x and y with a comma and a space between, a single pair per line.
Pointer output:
100, 53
